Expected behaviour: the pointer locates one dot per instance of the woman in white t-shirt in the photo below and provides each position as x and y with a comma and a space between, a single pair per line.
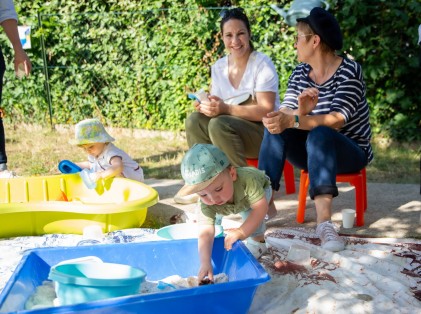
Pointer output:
244, 88
244, 73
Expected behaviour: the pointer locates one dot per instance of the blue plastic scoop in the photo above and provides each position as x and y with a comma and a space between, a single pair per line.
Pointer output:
66, 166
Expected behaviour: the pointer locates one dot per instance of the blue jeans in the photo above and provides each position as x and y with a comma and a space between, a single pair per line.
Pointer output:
244, 214
323, 151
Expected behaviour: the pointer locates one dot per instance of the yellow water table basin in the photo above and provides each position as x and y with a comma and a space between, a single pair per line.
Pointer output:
63, 204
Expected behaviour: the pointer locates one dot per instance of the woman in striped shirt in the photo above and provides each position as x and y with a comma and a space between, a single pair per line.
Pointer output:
323, 123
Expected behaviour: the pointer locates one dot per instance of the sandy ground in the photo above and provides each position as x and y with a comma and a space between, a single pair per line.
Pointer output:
394, 210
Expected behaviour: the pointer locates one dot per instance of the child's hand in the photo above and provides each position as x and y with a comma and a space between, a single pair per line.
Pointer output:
307, 100
205, 270
95, 176
232, 235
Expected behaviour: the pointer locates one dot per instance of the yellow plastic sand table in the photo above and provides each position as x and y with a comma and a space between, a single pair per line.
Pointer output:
63, 204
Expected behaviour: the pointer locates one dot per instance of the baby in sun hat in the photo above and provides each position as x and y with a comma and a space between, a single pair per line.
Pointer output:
105, 160
224, 190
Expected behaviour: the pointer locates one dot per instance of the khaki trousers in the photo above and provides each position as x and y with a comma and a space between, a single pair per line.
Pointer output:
237, 138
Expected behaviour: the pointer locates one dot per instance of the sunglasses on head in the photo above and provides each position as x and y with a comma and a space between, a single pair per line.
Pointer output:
226, 13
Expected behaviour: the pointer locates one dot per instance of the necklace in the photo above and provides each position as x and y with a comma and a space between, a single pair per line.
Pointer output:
326, 72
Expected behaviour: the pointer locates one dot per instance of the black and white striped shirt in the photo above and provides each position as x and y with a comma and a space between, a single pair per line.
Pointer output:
344, 92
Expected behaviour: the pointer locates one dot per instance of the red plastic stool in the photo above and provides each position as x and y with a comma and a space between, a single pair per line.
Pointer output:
288, 174
358, 180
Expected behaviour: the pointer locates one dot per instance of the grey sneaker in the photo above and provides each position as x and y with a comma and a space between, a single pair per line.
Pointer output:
331, 241
256, 248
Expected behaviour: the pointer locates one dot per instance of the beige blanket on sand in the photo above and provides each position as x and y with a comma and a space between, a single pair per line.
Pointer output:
369, 276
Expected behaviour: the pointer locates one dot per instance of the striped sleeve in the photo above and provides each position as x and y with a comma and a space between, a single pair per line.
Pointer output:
350, 100
350, 91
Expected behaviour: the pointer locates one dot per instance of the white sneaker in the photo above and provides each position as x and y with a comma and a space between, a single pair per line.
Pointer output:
331, 241
6, 174
256, 248
187, 199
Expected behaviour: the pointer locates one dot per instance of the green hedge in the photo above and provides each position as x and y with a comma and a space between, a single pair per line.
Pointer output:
131, 63
382, 35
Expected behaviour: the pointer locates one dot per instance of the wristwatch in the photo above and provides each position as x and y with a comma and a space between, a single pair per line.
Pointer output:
297, 122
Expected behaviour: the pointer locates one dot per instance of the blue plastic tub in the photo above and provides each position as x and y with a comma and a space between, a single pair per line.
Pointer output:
159, 259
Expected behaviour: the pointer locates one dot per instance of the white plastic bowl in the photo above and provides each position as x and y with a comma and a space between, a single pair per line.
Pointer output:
185, 231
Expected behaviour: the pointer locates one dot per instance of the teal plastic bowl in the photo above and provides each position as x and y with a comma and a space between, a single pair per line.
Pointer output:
185, 231
85, 282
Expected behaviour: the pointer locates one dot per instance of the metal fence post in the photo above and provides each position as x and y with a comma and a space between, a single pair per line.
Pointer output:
47, 82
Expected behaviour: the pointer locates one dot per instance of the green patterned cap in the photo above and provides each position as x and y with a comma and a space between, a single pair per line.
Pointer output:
200, 167
91, 131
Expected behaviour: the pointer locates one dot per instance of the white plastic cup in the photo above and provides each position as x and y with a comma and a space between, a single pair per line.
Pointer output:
348, 217
299, 254
85, 174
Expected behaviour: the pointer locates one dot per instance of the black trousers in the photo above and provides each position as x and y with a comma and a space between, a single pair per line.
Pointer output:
3, 157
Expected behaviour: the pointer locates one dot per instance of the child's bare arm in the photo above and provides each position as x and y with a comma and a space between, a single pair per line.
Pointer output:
205, 244
116, 169
84, 164
258, 213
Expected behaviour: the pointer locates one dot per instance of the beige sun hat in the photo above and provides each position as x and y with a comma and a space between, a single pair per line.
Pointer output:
91, 131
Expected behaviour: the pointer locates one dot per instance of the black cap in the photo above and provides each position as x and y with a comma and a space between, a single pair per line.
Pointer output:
326, 26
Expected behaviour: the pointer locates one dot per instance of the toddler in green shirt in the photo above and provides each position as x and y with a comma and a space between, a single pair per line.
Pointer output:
224, 190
